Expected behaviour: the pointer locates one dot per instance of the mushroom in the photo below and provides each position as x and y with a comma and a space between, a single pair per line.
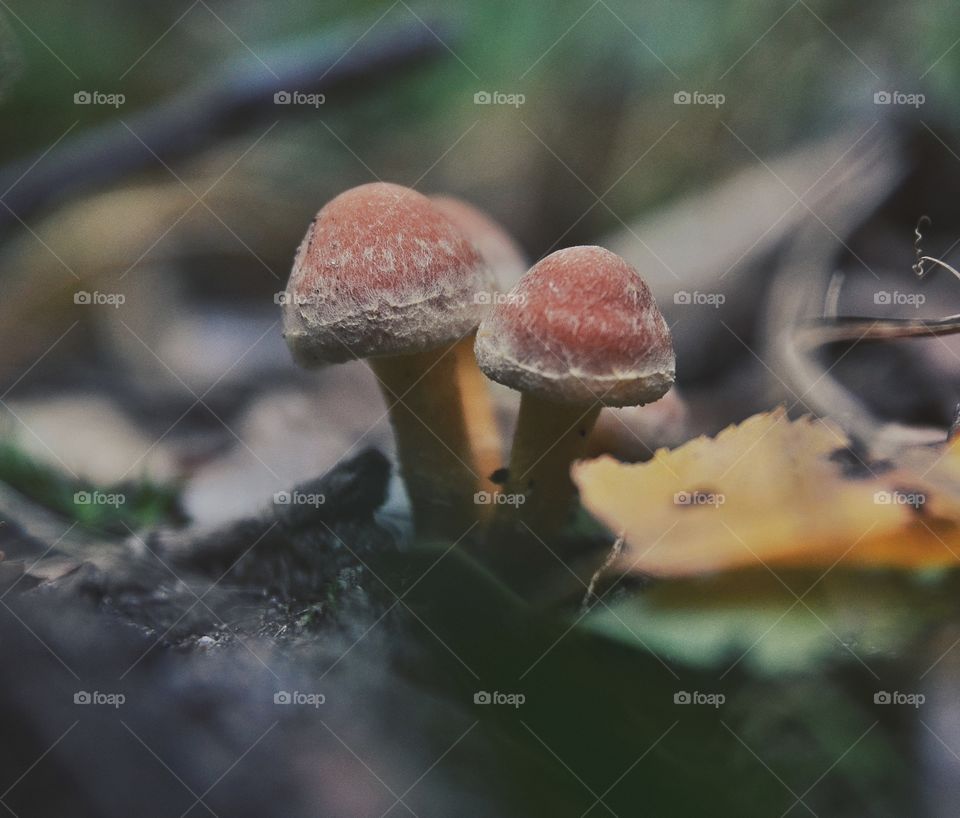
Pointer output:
580, 331
507, 262
382, 275
498, 248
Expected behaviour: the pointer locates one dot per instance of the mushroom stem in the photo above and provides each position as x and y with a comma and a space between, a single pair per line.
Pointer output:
549, 437
481, 418
425, 398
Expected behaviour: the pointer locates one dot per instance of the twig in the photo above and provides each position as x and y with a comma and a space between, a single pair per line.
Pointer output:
862, 183
833, 328
831, 300
811, 334
615, 551
235, 98
818, 332
919, 267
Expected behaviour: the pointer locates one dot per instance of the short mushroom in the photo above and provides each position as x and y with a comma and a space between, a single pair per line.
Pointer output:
507, 262
382, 275
580, 331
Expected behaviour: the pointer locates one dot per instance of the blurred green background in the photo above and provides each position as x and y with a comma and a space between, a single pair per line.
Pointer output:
598, 78
190, 383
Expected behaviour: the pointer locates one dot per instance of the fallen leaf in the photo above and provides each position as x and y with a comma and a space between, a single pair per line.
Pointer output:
777, 492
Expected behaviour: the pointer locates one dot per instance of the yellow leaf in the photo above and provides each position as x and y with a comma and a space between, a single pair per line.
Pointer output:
772, 491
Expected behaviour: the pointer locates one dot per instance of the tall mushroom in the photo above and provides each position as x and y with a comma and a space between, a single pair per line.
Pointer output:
506, 261
498, 248
580, 331
383, 275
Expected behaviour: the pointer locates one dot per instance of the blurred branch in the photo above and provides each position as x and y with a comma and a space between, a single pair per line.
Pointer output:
234, 99
816, 333
858, 186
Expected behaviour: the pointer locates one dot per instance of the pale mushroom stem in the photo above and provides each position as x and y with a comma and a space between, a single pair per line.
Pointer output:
425, 397
481, 418
549, 437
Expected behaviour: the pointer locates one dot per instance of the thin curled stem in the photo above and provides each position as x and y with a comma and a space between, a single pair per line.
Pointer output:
919, 266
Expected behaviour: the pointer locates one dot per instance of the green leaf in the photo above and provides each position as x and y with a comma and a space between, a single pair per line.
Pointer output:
788, 622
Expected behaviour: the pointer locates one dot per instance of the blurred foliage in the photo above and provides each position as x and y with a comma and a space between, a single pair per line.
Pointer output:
144, 503
795, 621
598, 79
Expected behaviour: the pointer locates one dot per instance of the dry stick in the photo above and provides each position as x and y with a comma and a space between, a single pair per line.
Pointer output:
818, 332
812, 334
615, 551
834, 328
855, 189
426, 401
232, 101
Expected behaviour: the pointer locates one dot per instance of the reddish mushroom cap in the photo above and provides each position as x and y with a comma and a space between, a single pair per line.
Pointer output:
497, 247
581, 326
381, 272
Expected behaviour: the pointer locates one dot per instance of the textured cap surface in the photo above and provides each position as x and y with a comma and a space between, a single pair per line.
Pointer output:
497, 247
381, 272
581, 326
